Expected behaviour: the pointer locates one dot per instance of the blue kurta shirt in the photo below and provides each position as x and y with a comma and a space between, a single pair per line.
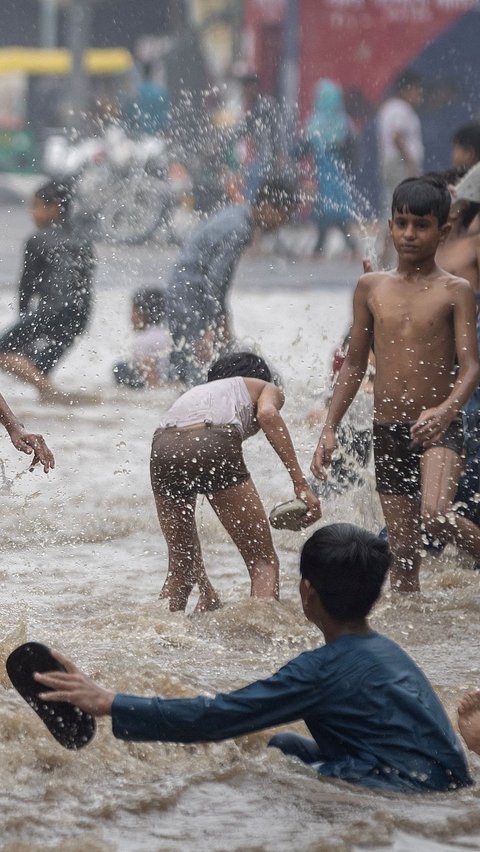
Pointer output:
370, 709
201, 277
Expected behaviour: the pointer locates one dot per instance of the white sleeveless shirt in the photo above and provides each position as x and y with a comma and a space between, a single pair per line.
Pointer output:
225, 402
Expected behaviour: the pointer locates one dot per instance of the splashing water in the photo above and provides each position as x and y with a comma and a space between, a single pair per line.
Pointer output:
369, 239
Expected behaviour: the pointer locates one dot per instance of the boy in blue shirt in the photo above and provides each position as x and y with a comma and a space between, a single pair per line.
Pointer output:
374, 717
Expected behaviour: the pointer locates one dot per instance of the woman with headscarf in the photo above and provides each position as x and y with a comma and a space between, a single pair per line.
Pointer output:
328, 137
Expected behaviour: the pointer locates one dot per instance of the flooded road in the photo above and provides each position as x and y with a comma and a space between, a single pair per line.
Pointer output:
83, 562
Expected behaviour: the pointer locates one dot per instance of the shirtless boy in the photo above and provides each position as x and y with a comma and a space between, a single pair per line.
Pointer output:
418, 318
460, 253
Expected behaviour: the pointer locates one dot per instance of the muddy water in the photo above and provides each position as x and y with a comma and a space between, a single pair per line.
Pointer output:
82, 564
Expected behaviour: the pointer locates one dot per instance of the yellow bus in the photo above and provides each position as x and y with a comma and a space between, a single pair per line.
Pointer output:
34, 96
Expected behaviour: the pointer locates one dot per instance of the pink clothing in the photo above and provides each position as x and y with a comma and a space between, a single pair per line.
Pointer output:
225, 402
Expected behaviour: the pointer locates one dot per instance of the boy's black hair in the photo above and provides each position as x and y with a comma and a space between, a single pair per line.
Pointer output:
423, 196
452, 176
346, 566
56, 192
151, 302
405, 79
279, 192
468, 136
245, 364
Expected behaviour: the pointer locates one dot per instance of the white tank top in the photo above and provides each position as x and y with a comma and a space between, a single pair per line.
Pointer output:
225, 402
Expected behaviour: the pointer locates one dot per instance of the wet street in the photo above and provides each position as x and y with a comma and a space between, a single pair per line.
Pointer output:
83, 561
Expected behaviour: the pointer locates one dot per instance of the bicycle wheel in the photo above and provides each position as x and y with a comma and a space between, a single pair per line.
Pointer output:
136, 210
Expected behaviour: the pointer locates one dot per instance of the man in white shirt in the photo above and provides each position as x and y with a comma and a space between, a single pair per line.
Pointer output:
399, 133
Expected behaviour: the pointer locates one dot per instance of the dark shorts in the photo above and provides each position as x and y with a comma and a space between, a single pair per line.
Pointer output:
187, 462
397, 462
44, 337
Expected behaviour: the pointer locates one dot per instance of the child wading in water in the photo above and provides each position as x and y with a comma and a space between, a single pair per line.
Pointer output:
55, 296
374, 719
149, 365
197, 449
419, 319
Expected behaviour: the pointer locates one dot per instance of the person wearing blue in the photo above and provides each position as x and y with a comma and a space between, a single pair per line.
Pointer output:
199, 283
328, 137
147, 111
372, 714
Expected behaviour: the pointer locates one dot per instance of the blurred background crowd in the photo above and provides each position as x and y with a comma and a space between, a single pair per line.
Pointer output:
192, 103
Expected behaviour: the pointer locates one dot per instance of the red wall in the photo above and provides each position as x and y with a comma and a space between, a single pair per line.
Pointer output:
359, 43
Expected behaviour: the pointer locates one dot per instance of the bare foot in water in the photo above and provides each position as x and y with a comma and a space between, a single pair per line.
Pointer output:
469, 720
207, 603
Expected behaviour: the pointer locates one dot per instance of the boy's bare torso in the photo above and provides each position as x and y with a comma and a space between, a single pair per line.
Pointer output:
413, 330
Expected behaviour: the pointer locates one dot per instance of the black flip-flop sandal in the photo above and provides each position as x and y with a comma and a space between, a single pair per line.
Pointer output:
70, 726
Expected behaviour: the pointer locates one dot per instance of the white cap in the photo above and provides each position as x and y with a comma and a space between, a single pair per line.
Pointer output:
468, 188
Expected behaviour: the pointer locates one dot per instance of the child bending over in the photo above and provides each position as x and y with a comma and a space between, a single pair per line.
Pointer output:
197, 449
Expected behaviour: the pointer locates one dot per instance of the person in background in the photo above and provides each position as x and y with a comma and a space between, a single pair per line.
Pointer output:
149, 365
199, 283
400, 142
146, 111
328, 138
55, 295
466, 146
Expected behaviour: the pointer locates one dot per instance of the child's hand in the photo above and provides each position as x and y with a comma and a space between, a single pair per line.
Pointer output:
323, 454
27, 442
76, 688
430, 427
305, 493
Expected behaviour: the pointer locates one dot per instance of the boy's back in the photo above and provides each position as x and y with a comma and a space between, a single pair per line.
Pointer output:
378, 707
372, 713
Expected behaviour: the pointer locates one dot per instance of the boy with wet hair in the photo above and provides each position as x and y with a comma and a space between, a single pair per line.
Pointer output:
55, 295
200, 281
420, 320
373, 716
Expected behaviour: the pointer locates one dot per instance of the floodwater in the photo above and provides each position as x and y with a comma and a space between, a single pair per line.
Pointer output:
82, 564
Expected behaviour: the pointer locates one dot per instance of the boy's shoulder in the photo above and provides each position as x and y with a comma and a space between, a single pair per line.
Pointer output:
454, 282
370, 280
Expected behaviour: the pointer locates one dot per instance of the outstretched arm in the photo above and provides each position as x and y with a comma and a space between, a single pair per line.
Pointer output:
290, 694
276, 431
349, 378
26, 442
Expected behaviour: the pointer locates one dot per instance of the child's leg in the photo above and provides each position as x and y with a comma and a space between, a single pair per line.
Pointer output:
469, 720
185, 563
241, 512
401, 515
440, 468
